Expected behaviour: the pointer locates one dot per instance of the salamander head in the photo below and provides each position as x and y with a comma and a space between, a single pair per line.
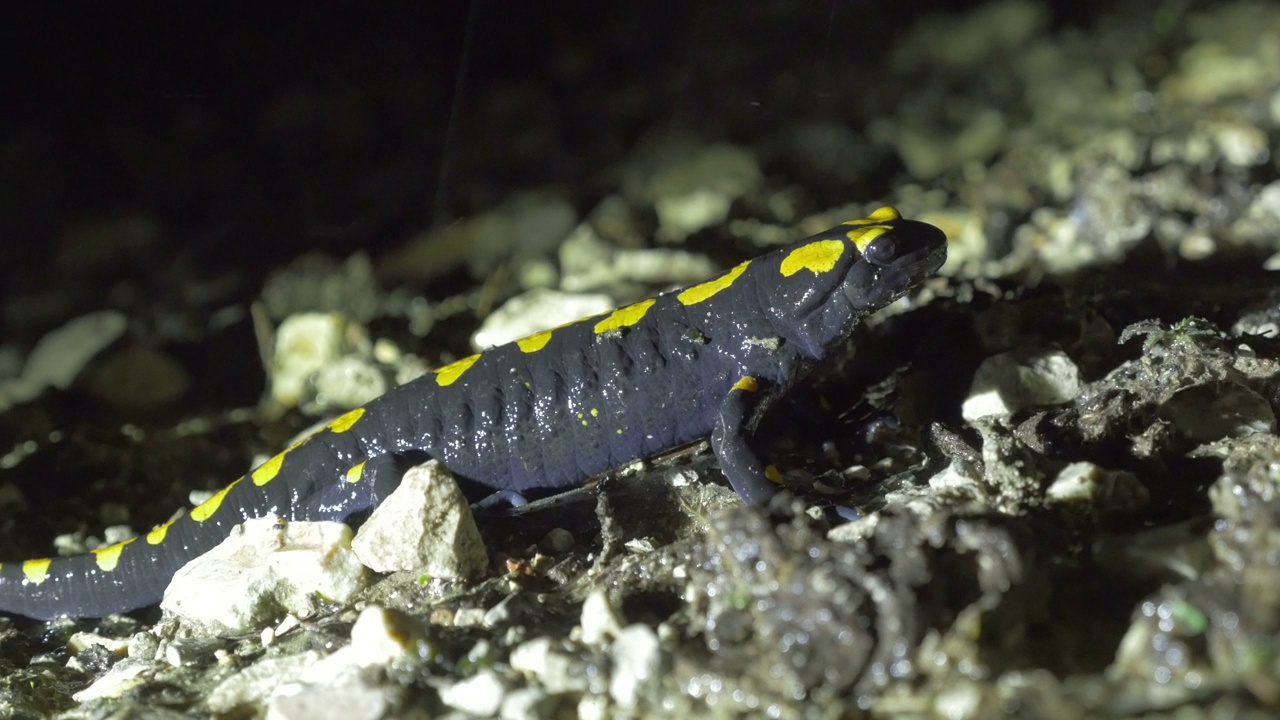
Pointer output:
833, 279
895, 255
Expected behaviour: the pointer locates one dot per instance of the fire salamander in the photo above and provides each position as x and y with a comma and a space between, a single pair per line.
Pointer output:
546, 412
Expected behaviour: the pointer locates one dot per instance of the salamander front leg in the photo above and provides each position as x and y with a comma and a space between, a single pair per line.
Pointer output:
499, 499
731, 444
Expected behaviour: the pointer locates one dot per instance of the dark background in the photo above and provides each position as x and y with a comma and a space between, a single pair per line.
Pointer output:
251, 132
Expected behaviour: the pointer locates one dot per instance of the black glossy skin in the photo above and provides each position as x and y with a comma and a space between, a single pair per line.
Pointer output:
523, 421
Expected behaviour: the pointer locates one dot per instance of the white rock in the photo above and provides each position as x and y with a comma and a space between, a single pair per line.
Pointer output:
382, 637
593, 707
637, 660
425, 525
253, 685
537, 310
481, 694
350, 381
120, 679
267, 566
600, 622
183, 652
1007, 383
469, 617
557, 540
59, 356
354, 697
541, 219
144, 646
1084, 483
305, 343
81, 641
345, 684
694, 190
682, 215
1206, 413
1241, 144
962, 698
526, 704
589, 263
555, 670
502, 612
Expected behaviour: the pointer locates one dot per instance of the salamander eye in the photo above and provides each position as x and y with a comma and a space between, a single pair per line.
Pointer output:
882, 251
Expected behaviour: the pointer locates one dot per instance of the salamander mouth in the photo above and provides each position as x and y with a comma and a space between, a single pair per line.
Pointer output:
910, 270
920, 249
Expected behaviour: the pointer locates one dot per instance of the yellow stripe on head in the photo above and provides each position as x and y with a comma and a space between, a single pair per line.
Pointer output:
884, 214
864, 230
861, 237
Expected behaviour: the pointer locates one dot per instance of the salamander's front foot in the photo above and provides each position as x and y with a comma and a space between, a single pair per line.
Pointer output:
509, 498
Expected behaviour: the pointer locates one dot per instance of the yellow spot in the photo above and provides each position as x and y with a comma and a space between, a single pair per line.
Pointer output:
343, 422
619, 431
109, 556
206, 509
773, 474
156, 536
864, 230
595, 412
449, 374
624, 317
862, 237
354, 474
267, 471
534, 342
747, 383
698, 293
36, 570
884, 214
539, 340
819, 256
